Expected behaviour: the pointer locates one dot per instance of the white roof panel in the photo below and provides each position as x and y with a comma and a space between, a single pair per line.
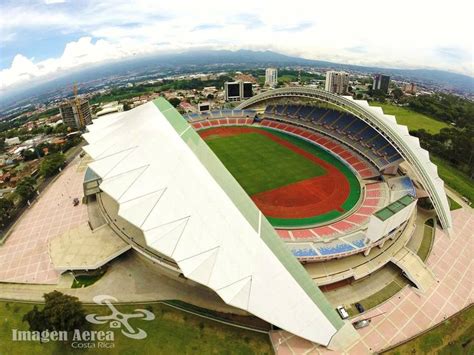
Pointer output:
170, 185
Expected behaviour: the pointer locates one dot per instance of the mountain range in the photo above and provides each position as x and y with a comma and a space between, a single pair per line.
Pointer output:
442, 79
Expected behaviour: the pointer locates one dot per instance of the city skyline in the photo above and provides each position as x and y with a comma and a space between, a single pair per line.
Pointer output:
60, 35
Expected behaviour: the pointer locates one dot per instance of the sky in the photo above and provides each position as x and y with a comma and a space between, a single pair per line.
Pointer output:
43, 39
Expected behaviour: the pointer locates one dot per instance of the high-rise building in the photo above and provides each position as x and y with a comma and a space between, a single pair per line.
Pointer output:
237, 90
337, 82
76, 114
247, 90
381, 83
271, 76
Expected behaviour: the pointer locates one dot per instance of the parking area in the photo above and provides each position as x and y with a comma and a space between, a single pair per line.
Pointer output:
409, 313
24, 258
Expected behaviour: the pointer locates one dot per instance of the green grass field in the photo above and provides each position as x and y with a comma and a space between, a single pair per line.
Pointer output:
260, 164
172, 332
454, 178
413, 120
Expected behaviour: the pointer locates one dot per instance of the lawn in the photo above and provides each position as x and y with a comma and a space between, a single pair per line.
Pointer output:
425, 246
454, 178
453, 336
413, 120
86, 280
171, 332
259, 164
453, 205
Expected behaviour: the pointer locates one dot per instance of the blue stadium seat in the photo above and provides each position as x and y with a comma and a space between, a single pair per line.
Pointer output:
279, 109
305, 111
329, 118
378, 143
304, 252
343, 122
358, 243
291, 110
367, 134
317, 113
356, 127
335, 249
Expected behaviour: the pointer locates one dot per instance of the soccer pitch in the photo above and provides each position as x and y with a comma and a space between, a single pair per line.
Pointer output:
260, 164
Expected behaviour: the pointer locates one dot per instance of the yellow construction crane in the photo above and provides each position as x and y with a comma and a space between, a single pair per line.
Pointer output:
77, 103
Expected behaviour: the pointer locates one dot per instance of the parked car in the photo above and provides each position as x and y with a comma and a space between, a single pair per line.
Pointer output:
342, 312
361, 323
360, 307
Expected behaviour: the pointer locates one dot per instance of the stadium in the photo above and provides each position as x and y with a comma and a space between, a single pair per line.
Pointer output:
294, 191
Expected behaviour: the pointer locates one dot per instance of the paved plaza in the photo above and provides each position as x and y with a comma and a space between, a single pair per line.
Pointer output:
24, 258
409, 313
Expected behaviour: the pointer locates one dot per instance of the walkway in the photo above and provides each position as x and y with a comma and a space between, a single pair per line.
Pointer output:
24, 257
414, 268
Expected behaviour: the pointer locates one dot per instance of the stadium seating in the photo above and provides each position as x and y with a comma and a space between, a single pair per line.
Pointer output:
303, 252
335, 248
401, 186
342, 126
223, 114
359, 243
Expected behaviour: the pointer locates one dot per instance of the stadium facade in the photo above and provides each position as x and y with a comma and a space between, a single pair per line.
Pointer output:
165, 193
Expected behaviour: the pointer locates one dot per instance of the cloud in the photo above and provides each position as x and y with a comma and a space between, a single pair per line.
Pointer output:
294, 28
114, 29
52, 2
452, 54
357, 49
76, 54
206, 26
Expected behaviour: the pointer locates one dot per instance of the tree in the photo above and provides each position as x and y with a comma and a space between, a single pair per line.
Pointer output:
60, 129
26, 188
61, 313
35, 320
175, 101
6, 207
397, 93
29, 154
51, 164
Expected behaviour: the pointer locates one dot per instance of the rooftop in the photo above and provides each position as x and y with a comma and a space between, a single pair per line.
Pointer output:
395, 207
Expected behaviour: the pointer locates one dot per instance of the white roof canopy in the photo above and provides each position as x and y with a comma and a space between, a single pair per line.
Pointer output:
169, 184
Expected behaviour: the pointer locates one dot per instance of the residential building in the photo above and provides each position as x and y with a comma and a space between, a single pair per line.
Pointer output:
409, 88
271, 77
76, 114
337, 82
